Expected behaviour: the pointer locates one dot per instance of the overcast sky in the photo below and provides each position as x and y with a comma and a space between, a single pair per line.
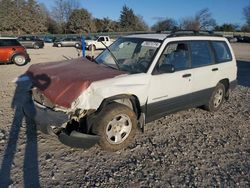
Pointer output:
224, 11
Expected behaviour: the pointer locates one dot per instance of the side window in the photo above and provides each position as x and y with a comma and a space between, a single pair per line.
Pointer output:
21, 39
222, 52
9, 42
176, 54
101, 39
200, 53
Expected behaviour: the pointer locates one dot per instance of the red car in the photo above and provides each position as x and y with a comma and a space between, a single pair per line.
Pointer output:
11, 51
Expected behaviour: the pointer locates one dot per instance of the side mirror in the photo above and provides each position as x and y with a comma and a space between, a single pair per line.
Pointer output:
166, 68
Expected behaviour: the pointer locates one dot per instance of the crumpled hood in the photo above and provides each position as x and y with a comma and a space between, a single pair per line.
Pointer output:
63, 81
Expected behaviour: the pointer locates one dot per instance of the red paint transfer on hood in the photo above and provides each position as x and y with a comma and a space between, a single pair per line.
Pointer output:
62, 82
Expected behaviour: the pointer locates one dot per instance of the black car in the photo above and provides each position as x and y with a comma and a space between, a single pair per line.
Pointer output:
31, 42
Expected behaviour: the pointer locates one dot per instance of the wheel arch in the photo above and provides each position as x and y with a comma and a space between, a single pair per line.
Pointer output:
16, 53
226, 84
131, 101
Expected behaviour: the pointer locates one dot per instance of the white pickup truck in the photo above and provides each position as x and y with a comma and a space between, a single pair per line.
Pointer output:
96, 43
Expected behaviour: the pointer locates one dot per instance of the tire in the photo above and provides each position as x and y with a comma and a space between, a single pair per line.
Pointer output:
35, 46
59, 45
77, 45
117, 126
216, 98
19, 60
92, 47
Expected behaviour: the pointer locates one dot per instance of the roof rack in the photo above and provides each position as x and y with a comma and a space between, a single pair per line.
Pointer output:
181, 33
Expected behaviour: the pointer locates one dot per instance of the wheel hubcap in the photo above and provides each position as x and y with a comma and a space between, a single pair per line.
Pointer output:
218, 97
20, 60
118, 129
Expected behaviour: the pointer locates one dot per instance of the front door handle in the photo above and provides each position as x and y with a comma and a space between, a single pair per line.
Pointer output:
215, 69
186, 75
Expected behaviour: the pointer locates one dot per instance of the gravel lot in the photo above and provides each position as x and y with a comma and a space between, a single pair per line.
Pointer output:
191, 148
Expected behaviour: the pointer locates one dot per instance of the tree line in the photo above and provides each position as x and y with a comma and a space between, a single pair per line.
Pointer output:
66, 17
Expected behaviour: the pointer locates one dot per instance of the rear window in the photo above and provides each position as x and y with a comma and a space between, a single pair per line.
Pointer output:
222, 52
9, 42
200, 53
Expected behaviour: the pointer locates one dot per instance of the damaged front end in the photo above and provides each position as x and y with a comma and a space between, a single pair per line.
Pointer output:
71, 126
57, 87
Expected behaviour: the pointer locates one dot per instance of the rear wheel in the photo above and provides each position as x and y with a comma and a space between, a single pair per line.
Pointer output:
19, 60
116, 126
216, 99
35, 46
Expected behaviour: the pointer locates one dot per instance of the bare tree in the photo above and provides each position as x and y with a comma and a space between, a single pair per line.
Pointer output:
189, 23
204, 17
246, 12
201, 21
165, 24
63, 9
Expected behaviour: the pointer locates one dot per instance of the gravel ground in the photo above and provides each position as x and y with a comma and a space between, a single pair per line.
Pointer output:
191, 148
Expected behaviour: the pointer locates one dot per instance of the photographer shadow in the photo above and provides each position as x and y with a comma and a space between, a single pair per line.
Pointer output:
24, 110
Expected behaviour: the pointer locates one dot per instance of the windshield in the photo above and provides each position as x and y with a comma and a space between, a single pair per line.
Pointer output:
133, 55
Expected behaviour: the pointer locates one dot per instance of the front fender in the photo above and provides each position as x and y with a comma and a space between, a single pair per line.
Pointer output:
131, 85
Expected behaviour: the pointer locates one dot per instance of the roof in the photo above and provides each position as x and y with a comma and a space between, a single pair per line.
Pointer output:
163, 36
7, 38
156, 36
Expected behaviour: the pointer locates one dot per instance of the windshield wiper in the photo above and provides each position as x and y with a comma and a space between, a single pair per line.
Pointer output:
116, 62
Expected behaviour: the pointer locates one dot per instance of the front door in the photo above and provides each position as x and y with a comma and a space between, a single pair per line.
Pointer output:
170, 92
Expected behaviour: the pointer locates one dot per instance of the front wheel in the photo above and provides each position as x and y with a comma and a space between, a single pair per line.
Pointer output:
116, 126
216, 99
19, 60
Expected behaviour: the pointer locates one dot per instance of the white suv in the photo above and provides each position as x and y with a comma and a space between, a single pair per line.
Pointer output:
138, 79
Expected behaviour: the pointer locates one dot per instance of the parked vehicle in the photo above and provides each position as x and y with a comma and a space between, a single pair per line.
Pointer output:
97, 42
31, 42
232, 39
49, 39
239, 38
68, 42
140, 78
246, 39
11, 51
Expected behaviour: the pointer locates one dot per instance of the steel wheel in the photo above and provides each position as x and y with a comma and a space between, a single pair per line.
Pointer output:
218, 97
116, 125
19, 60
118, 129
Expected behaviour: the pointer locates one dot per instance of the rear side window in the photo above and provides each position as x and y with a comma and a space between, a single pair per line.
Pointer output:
9, 42
222, 52
200, 53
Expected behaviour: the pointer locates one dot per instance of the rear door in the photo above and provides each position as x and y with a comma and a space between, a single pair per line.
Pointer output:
169, 92
204, 71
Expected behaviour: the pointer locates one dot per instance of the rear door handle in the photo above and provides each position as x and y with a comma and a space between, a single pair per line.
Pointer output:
186, 75
215, 69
